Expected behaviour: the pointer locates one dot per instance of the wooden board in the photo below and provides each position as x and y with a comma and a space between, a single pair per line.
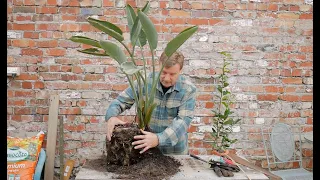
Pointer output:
51, 137
250, 165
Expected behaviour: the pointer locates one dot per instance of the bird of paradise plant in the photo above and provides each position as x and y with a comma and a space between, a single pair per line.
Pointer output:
142, 32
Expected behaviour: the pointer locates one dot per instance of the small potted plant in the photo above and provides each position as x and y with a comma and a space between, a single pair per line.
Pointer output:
142, 32
223, 122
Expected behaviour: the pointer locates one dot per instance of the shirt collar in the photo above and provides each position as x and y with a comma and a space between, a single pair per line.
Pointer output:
176, 87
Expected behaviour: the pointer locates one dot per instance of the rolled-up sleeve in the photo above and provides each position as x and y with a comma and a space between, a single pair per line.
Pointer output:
124, 101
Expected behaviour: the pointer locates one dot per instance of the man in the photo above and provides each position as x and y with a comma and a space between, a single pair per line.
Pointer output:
171, 118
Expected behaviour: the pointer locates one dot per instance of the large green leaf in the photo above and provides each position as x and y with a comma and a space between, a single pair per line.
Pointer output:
114, 51
93, 51
146, 8
107, 27
129, 68
175, 43
135, 32
149, 29
131, 16
85, 40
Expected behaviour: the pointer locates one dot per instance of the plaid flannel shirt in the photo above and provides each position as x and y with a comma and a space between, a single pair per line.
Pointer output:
170, 119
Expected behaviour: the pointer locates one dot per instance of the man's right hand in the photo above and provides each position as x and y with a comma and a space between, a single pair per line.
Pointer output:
110, 126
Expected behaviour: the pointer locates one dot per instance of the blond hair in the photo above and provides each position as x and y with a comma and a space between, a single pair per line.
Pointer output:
175, 58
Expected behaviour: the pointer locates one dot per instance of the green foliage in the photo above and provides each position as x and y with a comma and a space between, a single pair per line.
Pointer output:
142, 30
222, 121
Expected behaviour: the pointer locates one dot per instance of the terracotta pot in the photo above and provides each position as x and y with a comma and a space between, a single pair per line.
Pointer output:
215, 152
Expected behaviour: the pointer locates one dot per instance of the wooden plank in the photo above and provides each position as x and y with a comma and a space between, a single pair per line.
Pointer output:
250, 165
51, 137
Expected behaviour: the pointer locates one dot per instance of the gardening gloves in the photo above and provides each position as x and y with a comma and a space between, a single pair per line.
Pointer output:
223, 169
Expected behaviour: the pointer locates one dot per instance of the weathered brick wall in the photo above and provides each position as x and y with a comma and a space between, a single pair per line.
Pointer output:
272, 73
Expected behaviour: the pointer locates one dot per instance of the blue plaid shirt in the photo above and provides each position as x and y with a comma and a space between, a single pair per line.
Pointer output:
170, 119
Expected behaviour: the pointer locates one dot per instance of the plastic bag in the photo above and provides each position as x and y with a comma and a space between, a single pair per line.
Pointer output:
22, 156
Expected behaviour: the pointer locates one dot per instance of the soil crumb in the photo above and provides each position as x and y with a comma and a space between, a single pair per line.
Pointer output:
153, 166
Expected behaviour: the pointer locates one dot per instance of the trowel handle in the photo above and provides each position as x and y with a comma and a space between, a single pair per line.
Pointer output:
197, 157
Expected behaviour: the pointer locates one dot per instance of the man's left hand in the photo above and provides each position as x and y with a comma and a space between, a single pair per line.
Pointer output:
146, 141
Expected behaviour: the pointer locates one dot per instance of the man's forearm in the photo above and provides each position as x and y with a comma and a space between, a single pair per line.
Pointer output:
113, 110
124, 101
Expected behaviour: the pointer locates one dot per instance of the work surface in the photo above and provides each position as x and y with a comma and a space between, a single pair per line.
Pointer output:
191, 168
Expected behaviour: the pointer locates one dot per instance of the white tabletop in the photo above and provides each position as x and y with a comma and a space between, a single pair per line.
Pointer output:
191, 168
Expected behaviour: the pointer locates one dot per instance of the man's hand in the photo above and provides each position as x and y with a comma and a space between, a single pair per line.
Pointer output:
146, 141
110, 126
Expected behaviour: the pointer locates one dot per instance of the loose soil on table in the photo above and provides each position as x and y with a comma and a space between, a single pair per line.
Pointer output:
154, 166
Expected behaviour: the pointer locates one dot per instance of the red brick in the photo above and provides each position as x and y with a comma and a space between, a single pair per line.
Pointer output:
46, 10
103, 86
292, 80
119, 87
17, 2
273, 7
77, 70
291, 98
307, 98
94, 77
288, 16
75, 128
48, 27
16, 117
47, 43
80, 86
306, 49
42, 110
294, 114
294, 8
209, 105
56, 52
23, 18
262, 6
273, 89
252, 6
66, 68
51, 2
204, 97
56, 85
267, 97
306, 64
23, 43
297, 72
31, 35
192, 129
27, 76
19, 102
179, 13
23, 27
71, 110
198, 21
89, 144
175, 21
24, 110
26, 85
31, 52
70, 27
310, 120
38, 85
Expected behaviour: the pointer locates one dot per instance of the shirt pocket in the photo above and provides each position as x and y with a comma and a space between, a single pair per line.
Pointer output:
172, 109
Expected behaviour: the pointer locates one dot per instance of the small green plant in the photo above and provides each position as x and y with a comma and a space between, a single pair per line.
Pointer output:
142, 30
222, 122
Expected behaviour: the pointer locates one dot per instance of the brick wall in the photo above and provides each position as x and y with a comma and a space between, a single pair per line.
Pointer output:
272, 72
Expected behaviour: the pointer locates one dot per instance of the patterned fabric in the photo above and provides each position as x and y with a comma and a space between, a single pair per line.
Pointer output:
170, 119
